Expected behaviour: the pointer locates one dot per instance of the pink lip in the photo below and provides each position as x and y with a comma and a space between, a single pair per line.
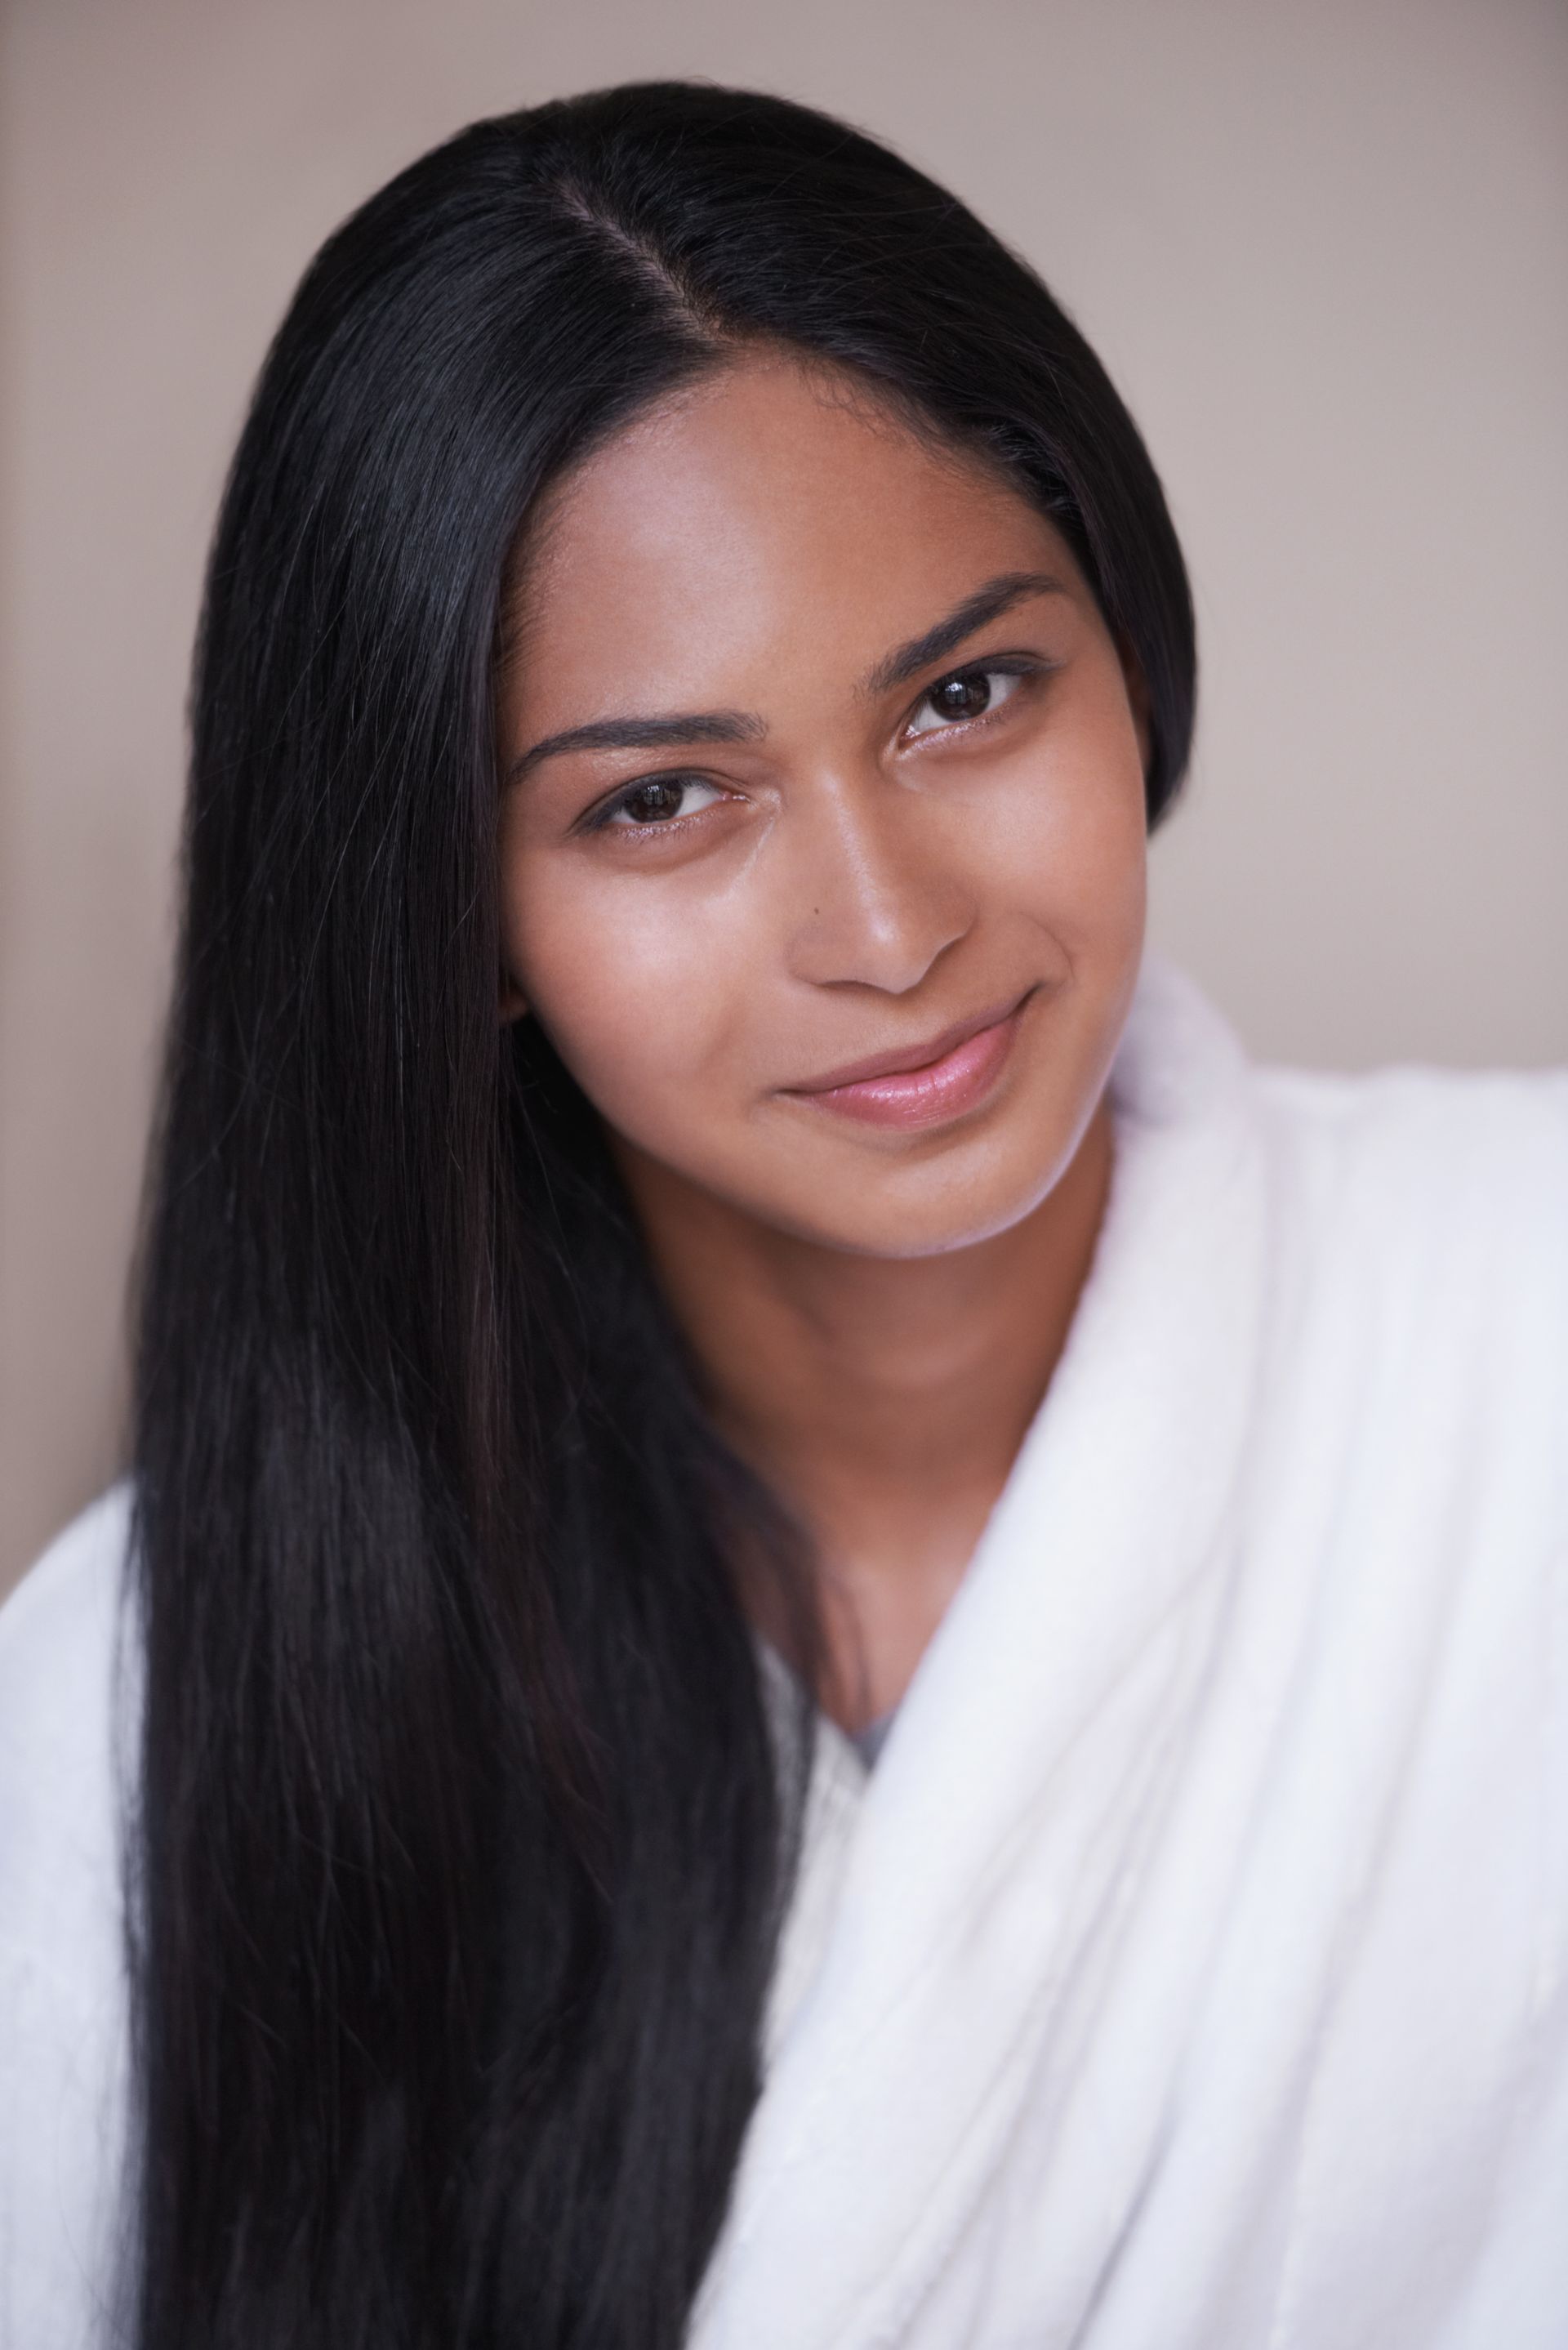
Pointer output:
925, 1085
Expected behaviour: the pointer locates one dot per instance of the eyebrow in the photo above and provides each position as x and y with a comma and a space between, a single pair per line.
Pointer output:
665, 733
977, 611
644, 734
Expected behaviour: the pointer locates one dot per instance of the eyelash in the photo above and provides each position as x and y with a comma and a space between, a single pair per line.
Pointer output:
1022, 665
602, 818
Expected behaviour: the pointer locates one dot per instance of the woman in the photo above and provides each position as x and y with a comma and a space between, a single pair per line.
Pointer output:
679, 1237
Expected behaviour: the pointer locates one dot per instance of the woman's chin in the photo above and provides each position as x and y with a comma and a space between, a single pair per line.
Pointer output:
932, 1209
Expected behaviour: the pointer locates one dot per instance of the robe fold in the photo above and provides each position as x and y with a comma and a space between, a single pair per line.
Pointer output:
1192, 1972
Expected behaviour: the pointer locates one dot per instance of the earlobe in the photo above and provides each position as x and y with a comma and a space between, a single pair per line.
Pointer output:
512, 1004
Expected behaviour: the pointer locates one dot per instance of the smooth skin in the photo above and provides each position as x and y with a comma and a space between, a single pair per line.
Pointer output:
817, 749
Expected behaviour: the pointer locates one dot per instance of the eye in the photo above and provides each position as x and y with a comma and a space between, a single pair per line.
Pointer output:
657, 799
964, 693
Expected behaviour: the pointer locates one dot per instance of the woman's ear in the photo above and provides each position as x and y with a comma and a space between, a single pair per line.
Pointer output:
513, 1003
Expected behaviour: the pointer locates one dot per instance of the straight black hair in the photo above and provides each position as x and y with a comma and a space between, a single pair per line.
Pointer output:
465, 1812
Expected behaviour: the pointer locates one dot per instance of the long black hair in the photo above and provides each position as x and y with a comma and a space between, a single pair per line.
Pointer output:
465, 1815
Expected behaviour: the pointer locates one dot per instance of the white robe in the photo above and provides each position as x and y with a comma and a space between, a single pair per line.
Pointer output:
1189, 1974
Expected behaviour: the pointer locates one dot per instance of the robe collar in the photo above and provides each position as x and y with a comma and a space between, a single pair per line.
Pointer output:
948, 1910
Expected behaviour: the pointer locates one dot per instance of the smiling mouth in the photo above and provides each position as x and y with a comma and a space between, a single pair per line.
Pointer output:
922, 1084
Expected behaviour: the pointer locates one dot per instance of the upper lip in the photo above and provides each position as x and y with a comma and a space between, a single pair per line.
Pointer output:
903, 1060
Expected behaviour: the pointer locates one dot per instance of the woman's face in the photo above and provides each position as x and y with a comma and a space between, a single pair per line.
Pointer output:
821, 763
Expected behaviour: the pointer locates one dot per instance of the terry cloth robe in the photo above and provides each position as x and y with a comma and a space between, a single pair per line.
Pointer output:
1189, 1973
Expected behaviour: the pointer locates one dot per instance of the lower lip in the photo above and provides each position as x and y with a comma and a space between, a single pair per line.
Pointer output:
943, 1089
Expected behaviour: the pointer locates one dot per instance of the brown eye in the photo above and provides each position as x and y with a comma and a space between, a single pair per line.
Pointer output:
966, 693
652, 800
961, 697
657, 800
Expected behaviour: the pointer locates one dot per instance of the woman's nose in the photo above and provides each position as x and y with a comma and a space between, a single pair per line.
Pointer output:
875, 894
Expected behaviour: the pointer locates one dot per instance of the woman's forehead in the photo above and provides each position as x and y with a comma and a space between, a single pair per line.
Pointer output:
766, 509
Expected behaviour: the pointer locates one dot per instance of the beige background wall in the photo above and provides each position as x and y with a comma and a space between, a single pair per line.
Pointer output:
1321, 243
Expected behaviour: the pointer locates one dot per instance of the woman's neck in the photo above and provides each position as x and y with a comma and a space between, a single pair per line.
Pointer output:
884, 1400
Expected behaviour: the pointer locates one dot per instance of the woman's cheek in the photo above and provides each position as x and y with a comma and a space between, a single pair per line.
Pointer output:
1064, 852
1090, 838
639, 997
